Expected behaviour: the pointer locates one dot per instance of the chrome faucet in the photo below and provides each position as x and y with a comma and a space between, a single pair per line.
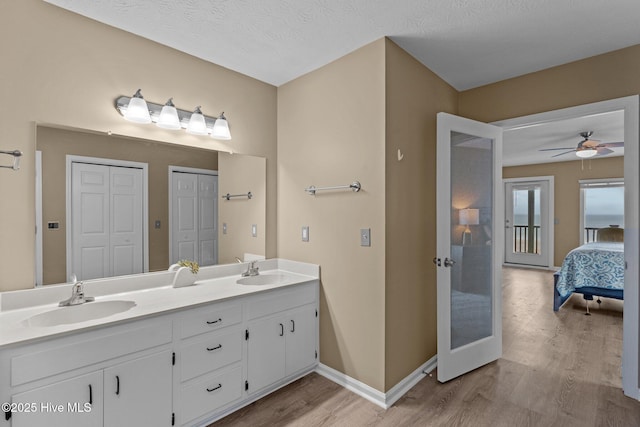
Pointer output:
77, 294
252, 270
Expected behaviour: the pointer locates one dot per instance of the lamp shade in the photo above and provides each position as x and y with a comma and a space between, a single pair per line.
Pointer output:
586, 153
221, 128
137, 110
169, 116
469, 216
197, 124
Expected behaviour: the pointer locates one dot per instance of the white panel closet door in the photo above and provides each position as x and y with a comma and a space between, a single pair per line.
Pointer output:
126, 247
208, 219
107, 221
184, 216
90, 220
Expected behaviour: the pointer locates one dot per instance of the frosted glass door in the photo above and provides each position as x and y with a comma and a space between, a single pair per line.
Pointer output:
469, 221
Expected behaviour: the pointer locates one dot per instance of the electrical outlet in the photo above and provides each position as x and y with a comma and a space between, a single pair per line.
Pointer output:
305, 233
365, 237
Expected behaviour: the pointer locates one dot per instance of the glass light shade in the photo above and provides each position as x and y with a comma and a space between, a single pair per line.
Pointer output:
221, 129
169, 117
137, 110
197, 124
586, 153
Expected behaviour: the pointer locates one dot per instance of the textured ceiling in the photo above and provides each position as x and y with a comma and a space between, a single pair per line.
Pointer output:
468, 43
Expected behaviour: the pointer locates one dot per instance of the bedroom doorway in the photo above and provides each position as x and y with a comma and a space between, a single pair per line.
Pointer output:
528, 233
631, 319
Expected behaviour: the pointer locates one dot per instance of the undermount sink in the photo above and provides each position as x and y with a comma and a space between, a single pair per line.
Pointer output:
264, 279
79, 313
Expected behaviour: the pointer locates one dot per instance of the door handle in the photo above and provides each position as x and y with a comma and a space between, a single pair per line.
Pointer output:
448, 262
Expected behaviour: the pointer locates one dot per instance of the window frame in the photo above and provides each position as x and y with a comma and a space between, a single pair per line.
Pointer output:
593, 183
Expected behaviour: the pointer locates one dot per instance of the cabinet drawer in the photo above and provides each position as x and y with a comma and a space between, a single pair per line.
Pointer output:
211, 393
83, 350
210, 352
210, 318
281, 300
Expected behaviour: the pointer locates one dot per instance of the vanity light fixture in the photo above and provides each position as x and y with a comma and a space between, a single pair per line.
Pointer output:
137, 110
197, 124
221, 128
167, 116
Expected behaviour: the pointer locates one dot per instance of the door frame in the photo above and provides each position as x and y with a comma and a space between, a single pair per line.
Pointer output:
184, 169
631, 318
550, 212
145, 202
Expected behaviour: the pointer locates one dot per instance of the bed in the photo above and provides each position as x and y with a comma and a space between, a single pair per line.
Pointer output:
593, 269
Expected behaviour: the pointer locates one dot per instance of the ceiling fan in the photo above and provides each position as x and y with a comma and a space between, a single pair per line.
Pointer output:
588, 147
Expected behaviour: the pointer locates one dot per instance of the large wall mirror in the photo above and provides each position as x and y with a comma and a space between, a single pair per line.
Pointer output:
110, 205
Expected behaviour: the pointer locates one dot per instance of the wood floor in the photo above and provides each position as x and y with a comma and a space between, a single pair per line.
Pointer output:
557, 369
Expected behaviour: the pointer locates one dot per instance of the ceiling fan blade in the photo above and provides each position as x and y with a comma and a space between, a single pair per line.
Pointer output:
566, 152
552, 149
603, 151
610, 144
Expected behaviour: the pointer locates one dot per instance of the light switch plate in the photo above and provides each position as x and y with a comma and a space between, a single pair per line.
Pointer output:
365, 237
254, 230
224, 228
305, 233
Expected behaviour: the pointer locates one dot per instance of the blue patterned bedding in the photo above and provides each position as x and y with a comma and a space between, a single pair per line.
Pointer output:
596, 264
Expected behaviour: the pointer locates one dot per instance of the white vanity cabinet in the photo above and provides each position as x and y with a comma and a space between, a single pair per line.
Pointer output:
210, 359
186, 366
281, 344
49, 405
138, 392
117, 376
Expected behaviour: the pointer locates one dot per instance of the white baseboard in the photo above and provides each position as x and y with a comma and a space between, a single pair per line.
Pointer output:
383, 400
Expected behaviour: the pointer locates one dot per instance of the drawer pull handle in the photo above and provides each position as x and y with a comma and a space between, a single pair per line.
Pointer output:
218, 347
117, 385
215, 388
281, 330
213, 322
293, 325
90, 395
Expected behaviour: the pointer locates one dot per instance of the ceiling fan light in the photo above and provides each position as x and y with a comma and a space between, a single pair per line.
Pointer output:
586, 153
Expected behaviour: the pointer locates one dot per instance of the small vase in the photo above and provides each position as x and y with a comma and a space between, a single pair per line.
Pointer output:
183, 276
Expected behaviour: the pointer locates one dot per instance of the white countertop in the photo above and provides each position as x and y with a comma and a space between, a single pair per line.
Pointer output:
152, 294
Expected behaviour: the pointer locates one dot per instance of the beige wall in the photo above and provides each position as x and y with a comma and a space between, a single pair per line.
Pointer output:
331, 131
67, 70
239, 175
567, 194
55, 144
414, 95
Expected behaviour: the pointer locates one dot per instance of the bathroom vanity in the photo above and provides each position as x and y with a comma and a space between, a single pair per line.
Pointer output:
145, 353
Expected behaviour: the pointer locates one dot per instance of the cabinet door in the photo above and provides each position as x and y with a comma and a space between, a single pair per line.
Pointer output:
74, 402
139, 393
301, 338
266, 352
